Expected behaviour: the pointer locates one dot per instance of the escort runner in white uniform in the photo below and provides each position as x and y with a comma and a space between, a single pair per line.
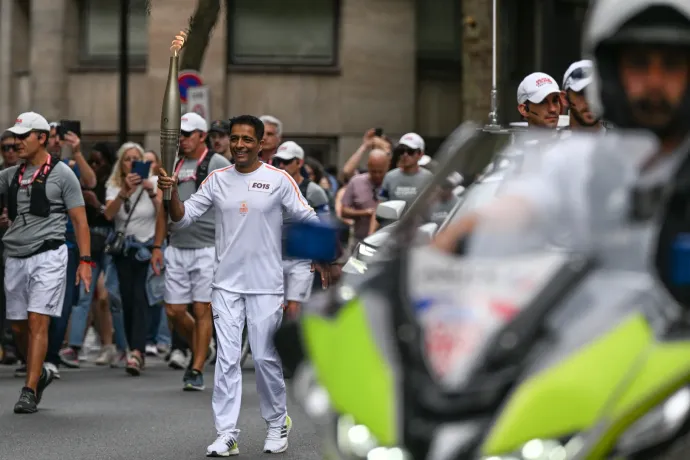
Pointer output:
248, 199
191, 255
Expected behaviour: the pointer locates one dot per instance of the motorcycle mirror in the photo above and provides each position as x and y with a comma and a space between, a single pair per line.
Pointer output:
390, 211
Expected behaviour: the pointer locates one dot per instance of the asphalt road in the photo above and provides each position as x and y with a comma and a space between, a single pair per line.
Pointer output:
101, 413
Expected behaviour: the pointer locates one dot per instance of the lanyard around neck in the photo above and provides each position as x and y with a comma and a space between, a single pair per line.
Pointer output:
198, 162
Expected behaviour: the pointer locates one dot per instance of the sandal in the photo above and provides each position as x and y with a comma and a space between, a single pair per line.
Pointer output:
134, 365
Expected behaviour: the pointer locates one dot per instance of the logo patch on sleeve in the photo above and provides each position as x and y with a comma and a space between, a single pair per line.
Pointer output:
260, 186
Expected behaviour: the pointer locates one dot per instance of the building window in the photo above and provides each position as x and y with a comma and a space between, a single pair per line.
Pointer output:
100, 31
283, 32
439, 38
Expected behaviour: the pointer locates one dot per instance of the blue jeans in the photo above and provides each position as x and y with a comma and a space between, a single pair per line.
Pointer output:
58, 326
164, 336
80, 312
158, 331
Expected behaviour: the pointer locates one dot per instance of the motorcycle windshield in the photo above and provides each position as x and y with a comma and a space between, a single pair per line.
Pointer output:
462, 302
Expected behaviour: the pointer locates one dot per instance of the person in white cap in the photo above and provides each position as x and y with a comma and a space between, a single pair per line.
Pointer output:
40, 193
190, 257
248, 199
539, 100
576, 79
408, 179
298, 273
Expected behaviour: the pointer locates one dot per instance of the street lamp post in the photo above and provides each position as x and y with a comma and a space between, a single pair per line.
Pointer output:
124, 70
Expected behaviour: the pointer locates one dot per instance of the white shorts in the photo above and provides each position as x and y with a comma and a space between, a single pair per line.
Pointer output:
36, 284
298, 279
188, 275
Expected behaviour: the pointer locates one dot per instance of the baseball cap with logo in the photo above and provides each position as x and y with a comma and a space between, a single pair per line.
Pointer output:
29, 121
192, 121
289, 151
220, 126
535, 87
413, 141
578, 75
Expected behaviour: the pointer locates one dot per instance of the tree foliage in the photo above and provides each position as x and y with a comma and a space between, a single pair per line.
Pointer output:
199, 31
200, 28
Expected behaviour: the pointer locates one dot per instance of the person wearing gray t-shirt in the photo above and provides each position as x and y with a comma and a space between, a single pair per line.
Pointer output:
297, 273
191, 255
408, 179
40, 193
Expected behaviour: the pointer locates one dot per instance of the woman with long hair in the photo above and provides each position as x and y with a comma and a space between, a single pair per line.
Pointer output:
132, 204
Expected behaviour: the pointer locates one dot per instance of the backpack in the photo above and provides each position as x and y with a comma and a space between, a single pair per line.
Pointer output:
39, 203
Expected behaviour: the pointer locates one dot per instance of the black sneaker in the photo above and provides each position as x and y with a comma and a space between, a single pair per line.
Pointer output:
44, 380
193, 381
27, 402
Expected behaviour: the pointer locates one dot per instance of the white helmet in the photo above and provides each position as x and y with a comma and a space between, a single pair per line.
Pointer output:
616, 22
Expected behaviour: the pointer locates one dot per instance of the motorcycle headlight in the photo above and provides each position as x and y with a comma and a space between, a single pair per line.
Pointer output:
352, 441
543, 449
356, 442
365, 250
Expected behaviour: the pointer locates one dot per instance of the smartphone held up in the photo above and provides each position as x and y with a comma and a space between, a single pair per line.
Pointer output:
142, 169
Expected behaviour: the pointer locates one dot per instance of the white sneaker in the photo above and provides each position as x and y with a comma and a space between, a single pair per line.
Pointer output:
178, 360
224, 446
107, 355
151, 350
54, 369
277, 439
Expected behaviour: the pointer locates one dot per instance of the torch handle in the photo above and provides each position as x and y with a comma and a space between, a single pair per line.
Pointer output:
170, 140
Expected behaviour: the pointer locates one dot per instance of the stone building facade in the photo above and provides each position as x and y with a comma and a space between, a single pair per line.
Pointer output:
329, 69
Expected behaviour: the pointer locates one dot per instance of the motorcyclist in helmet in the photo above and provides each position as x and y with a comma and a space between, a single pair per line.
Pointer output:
641, 52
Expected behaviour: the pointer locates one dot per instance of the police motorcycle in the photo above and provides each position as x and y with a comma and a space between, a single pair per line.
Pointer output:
521, 347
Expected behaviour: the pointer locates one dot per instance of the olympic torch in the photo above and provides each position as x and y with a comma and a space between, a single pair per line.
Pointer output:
171, 113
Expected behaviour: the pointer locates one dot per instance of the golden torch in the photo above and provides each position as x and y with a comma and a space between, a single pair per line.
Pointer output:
171, 113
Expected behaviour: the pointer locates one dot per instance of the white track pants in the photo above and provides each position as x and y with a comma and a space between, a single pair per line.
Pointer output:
264, 314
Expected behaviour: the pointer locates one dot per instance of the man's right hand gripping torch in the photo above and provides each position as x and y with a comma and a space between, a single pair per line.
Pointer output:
171, 113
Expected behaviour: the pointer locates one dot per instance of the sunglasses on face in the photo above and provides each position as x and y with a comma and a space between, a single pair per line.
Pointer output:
186, 133
406, 151
9, 148
282, 161
24, 136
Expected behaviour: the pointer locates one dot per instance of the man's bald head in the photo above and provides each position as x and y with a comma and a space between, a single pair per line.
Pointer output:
377, 165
